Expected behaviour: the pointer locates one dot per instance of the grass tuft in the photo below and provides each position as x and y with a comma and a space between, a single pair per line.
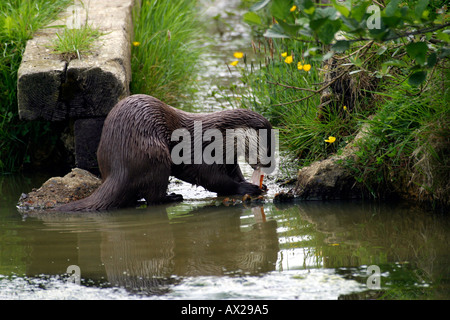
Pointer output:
72, 43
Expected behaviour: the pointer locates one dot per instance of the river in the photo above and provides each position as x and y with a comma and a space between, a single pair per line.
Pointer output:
203, 249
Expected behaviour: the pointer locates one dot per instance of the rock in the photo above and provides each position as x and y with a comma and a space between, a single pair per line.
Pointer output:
329, 179
77, 184
284, 196
325, 180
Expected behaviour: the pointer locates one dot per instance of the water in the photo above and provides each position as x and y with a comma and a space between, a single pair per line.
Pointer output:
203, 249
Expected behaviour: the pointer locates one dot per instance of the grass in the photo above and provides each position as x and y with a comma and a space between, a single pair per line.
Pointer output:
271, 87
165, 49
408, 140
72, 43
76, 40
407, 144
19, 19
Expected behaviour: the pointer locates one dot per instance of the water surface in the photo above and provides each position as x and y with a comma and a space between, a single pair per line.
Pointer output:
204, 249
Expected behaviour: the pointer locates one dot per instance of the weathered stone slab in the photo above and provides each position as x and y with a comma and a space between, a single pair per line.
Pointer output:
52, 89
87, 138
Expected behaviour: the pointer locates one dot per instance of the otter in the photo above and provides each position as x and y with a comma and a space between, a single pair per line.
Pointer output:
135, 154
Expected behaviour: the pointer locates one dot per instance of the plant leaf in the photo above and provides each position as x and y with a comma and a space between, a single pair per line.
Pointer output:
341, 8
392, 8
290, 29
252, 18
420, 8
280, 9
259, 5
418, 51
327, 31
341, 45
275, 32
417, 78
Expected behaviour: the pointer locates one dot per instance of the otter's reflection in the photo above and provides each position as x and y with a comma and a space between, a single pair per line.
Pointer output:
143, 250
207, 242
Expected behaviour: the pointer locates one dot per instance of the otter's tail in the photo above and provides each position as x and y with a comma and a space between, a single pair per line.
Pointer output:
110, 195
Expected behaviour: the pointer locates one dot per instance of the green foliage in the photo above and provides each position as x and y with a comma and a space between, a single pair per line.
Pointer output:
272, 86
165, 49
420, 25
19, 19
392, 57
72, 43
401, 127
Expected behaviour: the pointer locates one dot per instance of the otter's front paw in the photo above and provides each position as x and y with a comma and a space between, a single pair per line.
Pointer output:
249, 188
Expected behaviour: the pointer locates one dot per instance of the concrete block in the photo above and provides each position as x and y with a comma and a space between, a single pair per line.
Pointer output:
52, 89
87, 137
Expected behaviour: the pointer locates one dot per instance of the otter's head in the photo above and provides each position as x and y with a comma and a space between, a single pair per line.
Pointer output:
259, 147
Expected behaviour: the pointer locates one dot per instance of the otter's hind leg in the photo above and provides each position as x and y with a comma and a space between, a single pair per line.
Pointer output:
154, 179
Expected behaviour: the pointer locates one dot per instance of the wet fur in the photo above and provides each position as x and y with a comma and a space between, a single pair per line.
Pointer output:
134, 154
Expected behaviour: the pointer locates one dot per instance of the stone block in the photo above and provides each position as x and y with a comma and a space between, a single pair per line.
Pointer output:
87, 137
53, 89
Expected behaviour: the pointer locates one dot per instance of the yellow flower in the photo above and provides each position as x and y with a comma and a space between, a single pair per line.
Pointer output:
284, 54
238, 55
234, 63
293, 8
136, 43
289, 59
307, 67
345, 108
330, 139
299, 66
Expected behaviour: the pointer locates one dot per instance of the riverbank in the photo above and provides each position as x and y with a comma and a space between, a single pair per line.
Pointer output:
321, 99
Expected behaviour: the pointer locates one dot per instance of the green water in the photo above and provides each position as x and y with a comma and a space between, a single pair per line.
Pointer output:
202, 249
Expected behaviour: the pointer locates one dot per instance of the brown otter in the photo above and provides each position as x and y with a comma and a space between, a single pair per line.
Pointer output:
135, 160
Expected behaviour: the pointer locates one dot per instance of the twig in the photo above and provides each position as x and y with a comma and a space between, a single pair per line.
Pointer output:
291, 87
430, 29
315, 91
365, 48
380, 4
368, 44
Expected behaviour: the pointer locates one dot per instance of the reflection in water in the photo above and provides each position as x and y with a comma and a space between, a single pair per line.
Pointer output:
193, 250
409, 244
186, 250
143, 250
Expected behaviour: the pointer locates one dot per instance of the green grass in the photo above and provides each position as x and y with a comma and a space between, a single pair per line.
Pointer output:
409, 126
19, 19
165, 49
73, 43
273, 84
408, 134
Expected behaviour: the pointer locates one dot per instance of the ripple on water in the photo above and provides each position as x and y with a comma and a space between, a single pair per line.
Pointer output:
288, 285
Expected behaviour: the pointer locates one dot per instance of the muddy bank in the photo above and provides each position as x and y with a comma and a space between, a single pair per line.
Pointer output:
424, 181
